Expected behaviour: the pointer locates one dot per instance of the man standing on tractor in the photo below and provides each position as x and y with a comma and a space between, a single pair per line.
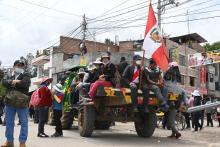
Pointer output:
132, 78
156, 83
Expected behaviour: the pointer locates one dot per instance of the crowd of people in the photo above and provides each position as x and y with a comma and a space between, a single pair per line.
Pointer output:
101, 72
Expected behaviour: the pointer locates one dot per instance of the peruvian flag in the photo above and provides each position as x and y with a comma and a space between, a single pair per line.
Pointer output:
153, 45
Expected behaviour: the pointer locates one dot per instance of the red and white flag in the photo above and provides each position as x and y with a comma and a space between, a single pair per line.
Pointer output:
153, 45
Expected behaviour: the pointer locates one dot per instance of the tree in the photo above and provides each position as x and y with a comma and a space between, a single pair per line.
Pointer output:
212, 47
109, 42
37, 53
46, 52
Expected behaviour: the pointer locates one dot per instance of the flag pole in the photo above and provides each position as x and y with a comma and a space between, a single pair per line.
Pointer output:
141, 71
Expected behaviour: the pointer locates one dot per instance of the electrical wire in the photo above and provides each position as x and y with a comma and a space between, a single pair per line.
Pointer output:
52, 9
200, 3
180, 15
106, 12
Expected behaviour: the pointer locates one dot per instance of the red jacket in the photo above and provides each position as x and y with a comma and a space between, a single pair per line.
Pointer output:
45, 96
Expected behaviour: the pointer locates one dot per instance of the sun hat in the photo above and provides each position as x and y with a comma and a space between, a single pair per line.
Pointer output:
44, 79
81, 71
91, 67
97, 61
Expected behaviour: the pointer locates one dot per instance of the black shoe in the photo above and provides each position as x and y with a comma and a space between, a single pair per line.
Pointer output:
178, 135
57, 135
172, 136
42, 135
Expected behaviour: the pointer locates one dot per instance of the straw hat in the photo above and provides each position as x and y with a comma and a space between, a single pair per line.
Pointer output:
44, 79
81, 71
91, 67
97, 61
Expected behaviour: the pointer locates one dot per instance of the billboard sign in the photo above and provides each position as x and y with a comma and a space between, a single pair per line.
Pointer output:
204, 58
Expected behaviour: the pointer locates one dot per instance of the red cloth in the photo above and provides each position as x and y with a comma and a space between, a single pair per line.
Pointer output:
60, 96
45, 96
136, 76
94, 86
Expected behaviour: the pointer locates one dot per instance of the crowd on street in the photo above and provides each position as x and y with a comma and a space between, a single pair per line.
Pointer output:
101, 72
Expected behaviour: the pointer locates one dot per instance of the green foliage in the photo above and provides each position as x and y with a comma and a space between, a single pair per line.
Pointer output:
109, 42
46, 52
212, 47
37, 53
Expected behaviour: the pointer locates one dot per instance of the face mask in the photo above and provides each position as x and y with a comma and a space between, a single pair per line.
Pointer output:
19, 70
105, 63
138, 62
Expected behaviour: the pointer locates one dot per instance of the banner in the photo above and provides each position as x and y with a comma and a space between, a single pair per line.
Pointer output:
83, 61
203, 75
175, 55
204, 58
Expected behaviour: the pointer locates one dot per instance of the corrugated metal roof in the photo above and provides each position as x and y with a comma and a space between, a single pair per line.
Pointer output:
185, 38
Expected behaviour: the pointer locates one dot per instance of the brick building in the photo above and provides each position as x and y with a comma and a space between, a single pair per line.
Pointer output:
67, 54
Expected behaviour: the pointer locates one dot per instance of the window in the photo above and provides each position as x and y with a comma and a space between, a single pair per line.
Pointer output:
211, 78
182, 60
182, 80
216, 69
217, 86
192, 81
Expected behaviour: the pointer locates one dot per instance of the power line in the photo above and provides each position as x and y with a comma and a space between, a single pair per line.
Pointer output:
119, 14
171, 22
200, 3
210, 6
120, 10
49, 8
180, 15
33, 19
106, 12
67, 35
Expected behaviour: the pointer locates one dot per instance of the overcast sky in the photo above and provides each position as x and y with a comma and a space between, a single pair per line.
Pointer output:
28, 25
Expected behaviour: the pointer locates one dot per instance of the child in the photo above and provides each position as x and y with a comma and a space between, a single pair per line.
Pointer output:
58, 96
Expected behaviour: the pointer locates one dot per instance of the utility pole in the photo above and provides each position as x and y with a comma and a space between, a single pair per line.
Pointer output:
84, 29
161, 6
188, 21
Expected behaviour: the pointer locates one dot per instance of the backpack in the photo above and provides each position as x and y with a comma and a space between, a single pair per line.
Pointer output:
35, 99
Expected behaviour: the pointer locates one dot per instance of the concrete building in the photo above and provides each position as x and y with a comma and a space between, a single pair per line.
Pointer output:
67, 54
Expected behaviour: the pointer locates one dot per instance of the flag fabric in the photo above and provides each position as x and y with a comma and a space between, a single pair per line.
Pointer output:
67, 96
135, 78
153, 45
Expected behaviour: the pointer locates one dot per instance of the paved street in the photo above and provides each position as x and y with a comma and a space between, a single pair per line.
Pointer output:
121, 135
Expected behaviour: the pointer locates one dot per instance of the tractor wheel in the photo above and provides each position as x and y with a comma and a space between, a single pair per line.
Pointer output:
67, 120
86, 120
146, 124
102, 125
